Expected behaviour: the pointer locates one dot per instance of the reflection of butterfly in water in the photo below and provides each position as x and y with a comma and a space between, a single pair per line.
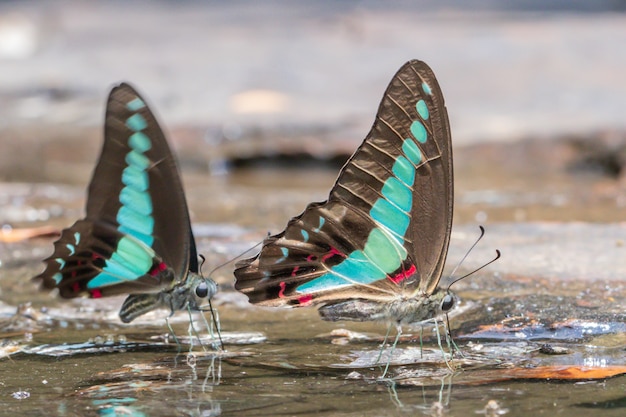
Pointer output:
136, 238
375, 250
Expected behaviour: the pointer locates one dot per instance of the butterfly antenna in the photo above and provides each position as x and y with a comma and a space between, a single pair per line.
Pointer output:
482, 233
450, 338
232, 259
498, 254
213, 314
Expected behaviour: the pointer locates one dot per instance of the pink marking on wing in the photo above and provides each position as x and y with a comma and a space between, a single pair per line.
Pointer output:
96, 294
304, 300
157, 269
76, 287
281, 293
295, 271
331, 253
311, 258
403, 275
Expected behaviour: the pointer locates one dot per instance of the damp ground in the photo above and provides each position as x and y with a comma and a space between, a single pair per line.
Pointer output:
543, 322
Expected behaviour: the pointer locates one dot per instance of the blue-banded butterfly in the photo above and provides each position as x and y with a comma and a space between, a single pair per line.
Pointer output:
375, 250
136, 237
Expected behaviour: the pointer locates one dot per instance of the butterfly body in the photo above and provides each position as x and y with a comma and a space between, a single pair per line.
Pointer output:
398, 311
375, 250
136, 237
188, 294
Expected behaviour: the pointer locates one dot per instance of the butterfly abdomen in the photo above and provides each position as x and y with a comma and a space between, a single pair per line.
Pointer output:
399, 310
353, 310
136, 305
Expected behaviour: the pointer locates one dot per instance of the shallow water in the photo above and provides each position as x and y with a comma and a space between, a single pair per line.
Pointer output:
76, 358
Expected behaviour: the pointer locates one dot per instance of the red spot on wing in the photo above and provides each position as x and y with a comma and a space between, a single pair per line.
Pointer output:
96, 294
305, 299
281, 293
157, 269
331, 253
398, 278
295, 271
76, 286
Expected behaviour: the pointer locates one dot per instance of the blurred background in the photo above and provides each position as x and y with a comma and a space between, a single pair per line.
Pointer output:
310, 72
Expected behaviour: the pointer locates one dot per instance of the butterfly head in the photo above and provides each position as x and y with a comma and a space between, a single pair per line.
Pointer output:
197, 289
202, 290
447, 302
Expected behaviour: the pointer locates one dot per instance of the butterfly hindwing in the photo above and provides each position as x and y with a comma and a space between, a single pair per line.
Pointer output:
385, 227
136, 236
94, 258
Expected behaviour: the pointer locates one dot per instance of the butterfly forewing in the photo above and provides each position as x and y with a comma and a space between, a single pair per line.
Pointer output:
135, 144
136, 236
386, 224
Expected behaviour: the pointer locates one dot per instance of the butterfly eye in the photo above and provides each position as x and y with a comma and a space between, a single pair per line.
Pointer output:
202, 290
447, 303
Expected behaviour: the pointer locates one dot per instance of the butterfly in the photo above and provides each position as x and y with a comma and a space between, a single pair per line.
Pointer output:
375, 250
136, 237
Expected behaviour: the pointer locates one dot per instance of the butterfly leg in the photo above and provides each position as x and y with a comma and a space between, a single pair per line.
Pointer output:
214, 327
421, 342
443, 353
169, 326
191, 332
382, 347
393, 348
456, 347
450, 339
